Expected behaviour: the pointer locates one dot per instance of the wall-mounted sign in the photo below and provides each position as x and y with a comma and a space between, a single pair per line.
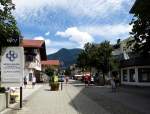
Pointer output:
15, 41
12, 67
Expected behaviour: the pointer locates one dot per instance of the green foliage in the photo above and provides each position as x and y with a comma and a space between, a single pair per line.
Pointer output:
141, 29
68, 72
49, 72
117, 45
8, 27
82, 60
96, 55
104, 56
86, 58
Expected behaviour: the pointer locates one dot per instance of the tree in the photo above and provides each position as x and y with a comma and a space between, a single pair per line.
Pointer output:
104, 58
82, 60
141, 28
8, 27
85, 58
68, 72
49, 72
90, 50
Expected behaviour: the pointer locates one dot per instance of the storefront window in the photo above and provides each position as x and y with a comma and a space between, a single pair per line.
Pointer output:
125, 75
132, 75
144, 74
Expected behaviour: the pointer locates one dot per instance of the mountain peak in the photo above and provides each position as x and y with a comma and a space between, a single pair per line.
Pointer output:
67, 56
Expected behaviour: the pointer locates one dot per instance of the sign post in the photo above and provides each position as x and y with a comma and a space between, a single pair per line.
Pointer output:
12, 68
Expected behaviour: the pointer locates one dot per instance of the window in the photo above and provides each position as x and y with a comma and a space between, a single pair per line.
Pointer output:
30, 76
132, 75
125, 75
144, 74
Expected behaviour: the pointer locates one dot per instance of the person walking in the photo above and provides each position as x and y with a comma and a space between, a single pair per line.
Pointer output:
33, 81
25, 81
113, 84
86, 80
67, 79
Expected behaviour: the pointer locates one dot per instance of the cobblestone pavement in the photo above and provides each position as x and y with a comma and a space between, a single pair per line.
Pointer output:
68, 101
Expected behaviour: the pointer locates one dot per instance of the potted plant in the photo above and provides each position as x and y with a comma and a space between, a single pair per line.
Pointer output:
54, 83
53, 79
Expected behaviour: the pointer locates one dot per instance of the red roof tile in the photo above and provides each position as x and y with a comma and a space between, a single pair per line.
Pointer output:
51, 62
32, 43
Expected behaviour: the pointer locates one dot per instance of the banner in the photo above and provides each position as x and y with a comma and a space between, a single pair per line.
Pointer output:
12, 67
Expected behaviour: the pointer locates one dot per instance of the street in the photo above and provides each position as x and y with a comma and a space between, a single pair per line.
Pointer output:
75, 98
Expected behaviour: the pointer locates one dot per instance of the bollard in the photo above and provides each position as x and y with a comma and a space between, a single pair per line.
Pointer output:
20, 97
7, 99
61, 85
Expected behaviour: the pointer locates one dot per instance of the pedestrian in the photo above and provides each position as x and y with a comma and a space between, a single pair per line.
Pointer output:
92, 80
67, 79
89, 80
113, 84
86, 80
33, 81
25, 81
117, 81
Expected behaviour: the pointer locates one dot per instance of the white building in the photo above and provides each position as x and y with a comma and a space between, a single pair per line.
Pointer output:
136, 71
35, 52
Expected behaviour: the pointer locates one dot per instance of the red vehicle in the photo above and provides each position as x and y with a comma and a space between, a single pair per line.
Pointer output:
87, 79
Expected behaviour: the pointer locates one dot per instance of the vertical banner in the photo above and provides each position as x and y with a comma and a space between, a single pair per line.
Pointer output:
12, 67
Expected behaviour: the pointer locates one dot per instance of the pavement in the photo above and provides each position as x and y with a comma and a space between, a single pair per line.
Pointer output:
27, 93
126, 100
67, 101
75, 98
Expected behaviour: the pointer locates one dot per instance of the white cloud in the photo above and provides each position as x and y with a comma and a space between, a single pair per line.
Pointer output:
74, 35
47, 33
109, 32
64, 44
47, 41
51, 50
36, 8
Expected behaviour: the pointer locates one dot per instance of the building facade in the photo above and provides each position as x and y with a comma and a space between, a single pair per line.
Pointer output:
35, 52
136, 71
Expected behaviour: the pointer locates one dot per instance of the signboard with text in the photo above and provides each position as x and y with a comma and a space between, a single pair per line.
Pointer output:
12, 67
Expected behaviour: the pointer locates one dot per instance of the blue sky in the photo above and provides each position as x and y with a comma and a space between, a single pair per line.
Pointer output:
72, 23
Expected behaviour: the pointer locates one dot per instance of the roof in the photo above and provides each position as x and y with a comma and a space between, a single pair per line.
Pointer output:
35, 44
138, 61
51, 62
140, 6
32, 43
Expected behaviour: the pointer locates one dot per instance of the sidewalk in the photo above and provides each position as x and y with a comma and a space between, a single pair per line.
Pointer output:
27, 93
68, 101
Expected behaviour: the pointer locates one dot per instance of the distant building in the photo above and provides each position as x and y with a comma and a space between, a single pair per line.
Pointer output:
35, 52
53, 64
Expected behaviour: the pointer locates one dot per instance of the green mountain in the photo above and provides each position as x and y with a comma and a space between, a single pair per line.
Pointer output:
66, 56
